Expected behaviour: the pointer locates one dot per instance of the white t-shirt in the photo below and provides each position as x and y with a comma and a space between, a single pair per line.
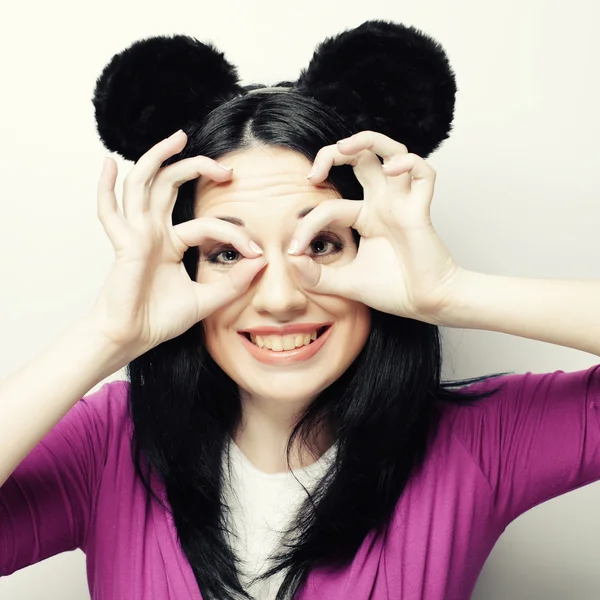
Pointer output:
261, 506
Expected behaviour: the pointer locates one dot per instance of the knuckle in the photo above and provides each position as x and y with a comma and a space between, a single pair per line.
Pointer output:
368, 134
157, 189
186, 164
206, 161
430, 170
330, 207
131, 182
315, 215
325, 151
370, 137
161, 173
223, 231
160, 186
209, 166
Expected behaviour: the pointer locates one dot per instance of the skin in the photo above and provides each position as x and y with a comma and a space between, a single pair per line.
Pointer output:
268, 188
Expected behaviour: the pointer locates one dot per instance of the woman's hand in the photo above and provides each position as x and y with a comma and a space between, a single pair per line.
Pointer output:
148, 297
402, 266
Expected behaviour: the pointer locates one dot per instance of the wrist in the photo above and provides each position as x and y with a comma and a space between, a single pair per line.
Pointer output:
450, 308
111, 355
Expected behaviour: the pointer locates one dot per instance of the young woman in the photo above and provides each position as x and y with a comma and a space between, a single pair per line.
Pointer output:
284, 430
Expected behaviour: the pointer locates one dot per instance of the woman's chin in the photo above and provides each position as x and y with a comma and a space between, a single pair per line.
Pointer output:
283, 391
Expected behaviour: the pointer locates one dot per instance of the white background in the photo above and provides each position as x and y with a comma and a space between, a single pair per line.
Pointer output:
516, 194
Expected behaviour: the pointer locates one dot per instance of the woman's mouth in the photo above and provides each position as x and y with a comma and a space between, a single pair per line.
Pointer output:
276, 349
279, 343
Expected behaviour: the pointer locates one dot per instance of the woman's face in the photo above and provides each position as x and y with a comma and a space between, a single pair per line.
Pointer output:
267, 191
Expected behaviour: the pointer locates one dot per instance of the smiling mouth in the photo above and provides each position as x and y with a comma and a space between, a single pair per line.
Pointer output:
277, 343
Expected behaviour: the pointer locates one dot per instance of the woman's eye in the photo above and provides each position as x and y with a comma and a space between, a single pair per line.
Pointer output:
326, 245
224, 257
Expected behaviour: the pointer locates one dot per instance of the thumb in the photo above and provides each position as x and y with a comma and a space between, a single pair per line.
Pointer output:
321, 278
235, 282
240, 277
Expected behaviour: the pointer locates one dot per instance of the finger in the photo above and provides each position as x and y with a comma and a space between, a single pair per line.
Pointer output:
166, 183
382, 145
422, 175
419, 168
233, 283
137, 182
197, 231
112, 220
364, 143
376, 142
366, 165
328, 212
323, 279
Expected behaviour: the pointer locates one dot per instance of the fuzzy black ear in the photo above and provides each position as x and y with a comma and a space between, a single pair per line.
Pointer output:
386, 77
157, 86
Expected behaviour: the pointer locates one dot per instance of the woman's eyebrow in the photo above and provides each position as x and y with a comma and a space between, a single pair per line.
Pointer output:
240, 223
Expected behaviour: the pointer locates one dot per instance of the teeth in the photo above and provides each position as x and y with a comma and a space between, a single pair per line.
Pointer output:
278, 343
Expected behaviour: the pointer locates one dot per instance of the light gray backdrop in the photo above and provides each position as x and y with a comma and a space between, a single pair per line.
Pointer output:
516, 194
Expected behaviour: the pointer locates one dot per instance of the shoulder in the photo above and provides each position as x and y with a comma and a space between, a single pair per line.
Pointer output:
509, 391
527, 408
102, 412
108, 400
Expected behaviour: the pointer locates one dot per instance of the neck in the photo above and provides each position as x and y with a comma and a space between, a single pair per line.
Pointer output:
264, 430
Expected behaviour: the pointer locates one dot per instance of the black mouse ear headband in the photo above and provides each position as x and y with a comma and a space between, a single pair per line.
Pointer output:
380, 76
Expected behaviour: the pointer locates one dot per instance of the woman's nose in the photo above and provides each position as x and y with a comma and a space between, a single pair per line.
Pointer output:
277, 290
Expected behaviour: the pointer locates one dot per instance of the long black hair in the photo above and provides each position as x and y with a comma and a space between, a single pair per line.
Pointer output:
384, 409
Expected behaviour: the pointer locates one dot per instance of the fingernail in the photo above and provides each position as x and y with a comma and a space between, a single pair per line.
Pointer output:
311, 172
342, 142
293, 247
255, 247
177, 133
225, 167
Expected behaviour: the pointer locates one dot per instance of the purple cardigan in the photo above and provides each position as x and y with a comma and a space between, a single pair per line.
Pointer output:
490, 463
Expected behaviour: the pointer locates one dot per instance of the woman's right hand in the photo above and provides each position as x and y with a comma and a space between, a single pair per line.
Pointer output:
148, 297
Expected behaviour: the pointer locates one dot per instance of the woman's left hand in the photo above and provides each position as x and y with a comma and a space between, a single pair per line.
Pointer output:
402, 266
